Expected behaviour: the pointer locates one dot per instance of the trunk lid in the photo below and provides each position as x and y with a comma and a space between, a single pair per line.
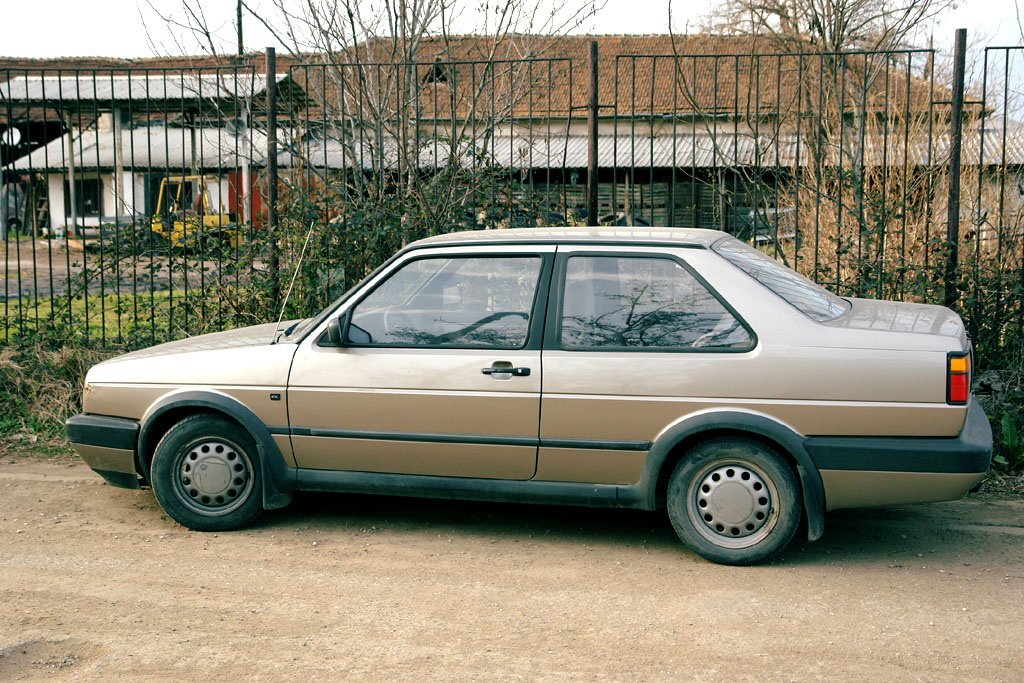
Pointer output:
895, 316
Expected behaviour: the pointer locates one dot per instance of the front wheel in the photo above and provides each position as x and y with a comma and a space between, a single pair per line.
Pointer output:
734, 501
206, 474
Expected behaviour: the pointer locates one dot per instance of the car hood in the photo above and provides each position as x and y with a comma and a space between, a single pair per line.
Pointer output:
243, 357
255, 335
895, 316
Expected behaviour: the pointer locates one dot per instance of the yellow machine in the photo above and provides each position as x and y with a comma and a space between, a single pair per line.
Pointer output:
186, 219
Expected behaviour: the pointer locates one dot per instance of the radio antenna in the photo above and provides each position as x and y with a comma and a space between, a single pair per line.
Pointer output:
284, 304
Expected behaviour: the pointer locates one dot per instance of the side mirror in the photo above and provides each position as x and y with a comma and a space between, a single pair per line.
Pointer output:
334, 331
341, 332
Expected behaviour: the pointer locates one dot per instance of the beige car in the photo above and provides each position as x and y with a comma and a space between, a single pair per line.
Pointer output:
639, 368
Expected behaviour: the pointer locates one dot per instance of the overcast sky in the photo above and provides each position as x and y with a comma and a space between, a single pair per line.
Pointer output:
118, 28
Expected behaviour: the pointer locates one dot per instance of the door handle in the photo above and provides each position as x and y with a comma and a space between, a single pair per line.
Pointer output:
515, 372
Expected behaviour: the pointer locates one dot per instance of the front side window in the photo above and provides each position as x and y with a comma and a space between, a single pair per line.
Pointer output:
458, 301
643, 303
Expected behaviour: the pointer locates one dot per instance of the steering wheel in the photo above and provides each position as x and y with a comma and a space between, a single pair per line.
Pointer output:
395, 321
472, 327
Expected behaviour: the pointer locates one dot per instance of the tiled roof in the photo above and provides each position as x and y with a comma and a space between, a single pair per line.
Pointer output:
637, 75
647, 74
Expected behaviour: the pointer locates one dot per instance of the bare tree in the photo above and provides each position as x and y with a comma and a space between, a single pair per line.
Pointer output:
395, 141
830, 25
854, 89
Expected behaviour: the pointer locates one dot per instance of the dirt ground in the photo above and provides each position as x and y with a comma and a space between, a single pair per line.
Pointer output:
96, 583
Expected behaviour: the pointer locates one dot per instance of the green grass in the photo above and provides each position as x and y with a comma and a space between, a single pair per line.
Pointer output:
123, 319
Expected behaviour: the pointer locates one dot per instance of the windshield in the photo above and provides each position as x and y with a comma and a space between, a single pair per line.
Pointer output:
295, 329
811, 299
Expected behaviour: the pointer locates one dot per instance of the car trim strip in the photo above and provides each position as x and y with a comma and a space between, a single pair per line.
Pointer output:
596, 444
480, 439
461, 488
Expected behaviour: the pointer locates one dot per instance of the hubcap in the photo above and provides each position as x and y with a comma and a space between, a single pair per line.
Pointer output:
732, 505
214, 476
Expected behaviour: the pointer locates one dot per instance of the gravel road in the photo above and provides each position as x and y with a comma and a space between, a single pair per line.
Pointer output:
96, 583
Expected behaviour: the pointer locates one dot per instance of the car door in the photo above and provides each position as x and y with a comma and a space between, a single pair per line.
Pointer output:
439, 373
635, 339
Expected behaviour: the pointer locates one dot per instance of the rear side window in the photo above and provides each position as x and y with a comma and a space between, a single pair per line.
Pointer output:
811, 299
613, 302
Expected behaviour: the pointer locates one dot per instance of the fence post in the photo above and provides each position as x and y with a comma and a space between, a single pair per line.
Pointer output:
592, 139
275, 285
955, 145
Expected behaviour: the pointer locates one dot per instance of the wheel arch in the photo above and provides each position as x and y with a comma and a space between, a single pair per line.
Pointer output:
176, 406
676, 441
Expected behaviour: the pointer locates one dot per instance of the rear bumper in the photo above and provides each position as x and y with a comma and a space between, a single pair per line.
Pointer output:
868, 471
107, 445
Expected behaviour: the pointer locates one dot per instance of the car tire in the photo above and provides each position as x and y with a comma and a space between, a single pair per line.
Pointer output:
206, 474
734, 501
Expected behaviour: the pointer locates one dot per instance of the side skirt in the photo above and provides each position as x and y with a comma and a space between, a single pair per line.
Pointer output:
459, 488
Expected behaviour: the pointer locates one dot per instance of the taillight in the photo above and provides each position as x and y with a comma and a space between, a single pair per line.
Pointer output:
958, 377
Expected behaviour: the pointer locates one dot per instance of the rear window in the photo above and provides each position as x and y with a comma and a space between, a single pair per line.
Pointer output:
811, 299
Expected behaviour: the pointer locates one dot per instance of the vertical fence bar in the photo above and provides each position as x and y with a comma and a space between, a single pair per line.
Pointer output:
592, 138
955, 144
272, 174
3, 221
901, 281
672, 221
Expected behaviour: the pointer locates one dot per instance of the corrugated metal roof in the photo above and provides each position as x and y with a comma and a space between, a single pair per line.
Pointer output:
540, 151
152, 86
150, 147
166, 146
690, 150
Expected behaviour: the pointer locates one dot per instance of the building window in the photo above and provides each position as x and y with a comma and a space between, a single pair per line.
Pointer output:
88, 197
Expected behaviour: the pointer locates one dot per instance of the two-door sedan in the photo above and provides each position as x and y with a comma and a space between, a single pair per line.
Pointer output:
641, 368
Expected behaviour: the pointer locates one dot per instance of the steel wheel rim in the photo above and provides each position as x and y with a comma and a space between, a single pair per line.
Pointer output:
733, 504
212, 476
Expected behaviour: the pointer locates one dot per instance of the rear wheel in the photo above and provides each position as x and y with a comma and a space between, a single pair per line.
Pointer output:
734, 501
206, 474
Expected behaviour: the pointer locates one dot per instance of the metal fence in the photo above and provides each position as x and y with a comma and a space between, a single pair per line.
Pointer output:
146, 205
127, 198
840, 164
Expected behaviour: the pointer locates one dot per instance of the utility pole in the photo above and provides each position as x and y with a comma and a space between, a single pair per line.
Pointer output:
243, 185
272, 173
592, 111
955, 143
238, 21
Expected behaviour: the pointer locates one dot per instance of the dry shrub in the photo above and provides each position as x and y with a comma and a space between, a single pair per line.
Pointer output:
41, 386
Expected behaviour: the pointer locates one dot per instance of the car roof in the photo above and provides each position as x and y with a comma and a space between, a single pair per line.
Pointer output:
679, 237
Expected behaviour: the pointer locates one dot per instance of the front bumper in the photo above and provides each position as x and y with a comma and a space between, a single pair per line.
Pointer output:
107, 445
870, 471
